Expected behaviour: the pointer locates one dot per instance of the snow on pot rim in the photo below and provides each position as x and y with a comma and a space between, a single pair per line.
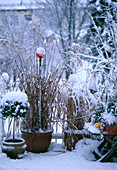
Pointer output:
10, 141
37, 132
9, 144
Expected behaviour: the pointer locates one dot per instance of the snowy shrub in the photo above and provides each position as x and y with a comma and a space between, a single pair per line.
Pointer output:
81, 106
107, 112
14, 104
112, 104
97, 116
111, 116
79, 101
104, 35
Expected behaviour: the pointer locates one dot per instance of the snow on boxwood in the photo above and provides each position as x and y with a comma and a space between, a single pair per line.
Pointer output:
14, 96
14, 104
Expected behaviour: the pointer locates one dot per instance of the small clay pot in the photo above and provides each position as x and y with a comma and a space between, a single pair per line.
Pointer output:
14, 149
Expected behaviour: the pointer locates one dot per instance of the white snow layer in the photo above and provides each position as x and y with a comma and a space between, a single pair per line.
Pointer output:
15, 96
5, 77
57, 159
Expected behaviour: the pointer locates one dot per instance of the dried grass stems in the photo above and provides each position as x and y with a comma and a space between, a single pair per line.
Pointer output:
26, 65
80, 107
50, 95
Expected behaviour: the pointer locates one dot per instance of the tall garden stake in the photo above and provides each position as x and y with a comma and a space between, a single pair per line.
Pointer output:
40, 53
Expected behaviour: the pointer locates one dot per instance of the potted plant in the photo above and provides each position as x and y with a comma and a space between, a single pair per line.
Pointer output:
80, 105
110, 115
36, 127
106, 114
14, 105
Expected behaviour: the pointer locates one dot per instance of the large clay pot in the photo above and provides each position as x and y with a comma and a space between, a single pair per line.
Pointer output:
14, 149
37, 142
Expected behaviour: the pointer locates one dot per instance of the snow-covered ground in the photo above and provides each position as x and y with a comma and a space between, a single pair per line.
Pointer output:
57, 158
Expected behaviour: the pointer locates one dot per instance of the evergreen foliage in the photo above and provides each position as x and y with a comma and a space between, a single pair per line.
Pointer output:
100, 109
14, 109
110, 108
112, 104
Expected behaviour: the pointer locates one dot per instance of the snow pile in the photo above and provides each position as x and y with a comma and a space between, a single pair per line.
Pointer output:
79, 79
86, 148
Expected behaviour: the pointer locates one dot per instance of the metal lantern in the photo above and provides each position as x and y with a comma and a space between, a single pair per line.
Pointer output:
40, 53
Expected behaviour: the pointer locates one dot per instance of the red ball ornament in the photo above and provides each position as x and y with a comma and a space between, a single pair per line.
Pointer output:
40, 53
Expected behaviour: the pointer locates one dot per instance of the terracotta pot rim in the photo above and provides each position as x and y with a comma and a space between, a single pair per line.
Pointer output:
43, 132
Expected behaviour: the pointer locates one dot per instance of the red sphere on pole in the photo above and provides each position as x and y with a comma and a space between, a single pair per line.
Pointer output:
40, 53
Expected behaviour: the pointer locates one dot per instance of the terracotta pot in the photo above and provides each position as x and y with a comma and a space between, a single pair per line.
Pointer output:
37, 142
70, 140
111, 129
14, 149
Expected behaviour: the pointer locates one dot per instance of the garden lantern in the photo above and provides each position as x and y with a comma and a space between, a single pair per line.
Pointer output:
40, 53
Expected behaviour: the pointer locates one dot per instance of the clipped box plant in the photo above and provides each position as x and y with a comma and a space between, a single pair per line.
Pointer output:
14, 105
